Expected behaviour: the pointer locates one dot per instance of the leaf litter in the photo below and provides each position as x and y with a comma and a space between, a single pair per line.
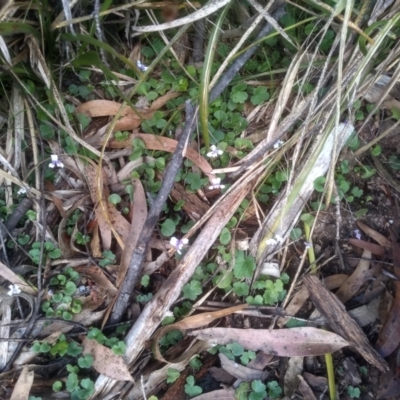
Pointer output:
107, 234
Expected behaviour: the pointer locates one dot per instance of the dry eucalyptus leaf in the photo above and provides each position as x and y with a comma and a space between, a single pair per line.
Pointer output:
304, 341
106, 362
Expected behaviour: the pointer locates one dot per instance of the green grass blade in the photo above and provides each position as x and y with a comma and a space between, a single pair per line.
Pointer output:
205, 77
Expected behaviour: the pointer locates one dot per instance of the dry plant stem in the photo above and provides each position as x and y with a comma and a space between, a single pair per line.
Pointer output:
363, 149
138, 255
240, 61
155, 310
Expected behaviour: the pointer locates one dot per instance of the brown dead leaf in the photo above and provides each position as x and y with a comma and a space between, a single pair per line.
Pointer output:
356, 279
375, 249
97, 275
389, 336
375, 235
305, 389
139, 216
162, 143
241, 372
222, 394
304, 341
106, 362
109, 220
103, 108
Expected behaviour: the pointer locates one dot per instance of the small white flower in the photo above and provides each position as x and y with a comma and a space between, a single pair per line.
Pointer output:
279, 239
357, 234
216, 184
55, 162
214, 153
307, 245
141, 66
50, 293
21, 191
14, 289
278, 144
178, 243
275, 240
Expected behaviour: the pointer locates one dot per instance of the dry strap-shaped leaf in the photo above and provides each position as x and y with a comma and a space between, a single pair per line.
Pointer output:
192, 322
211, 7
23, 385
356, 280
45, 74
389, 336
162, 143
374, 235
293, 370
341, 322
375, 249
105, 108
222, 394
241, 372
305, 389
304, 341
287, 209
110, 220
139, 216
106, 362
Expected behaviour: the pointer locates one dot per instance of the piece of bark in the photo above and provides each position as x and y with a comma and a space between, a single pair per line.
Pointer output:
193, 206
341, 322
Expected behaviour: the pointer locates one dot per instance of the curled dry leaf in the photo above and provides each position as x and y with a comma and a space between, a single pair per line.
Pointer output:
241, 372
305, 341
356, 280
106, 362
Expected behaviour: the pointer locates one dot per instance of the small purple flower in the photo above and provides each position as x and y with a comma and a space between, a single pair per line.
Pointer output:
178, 243
216, 184
141, 66
357, 234
14, 289
214, 153
55, 162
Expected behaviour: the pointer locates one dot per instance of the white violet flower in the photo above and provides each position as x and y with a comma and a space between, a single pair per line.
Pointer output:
275, 240
307, 245
216, 184
141, 66
21, 191
278, 144
214, 153
178, 243
14, 289
357, 234
55, 162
